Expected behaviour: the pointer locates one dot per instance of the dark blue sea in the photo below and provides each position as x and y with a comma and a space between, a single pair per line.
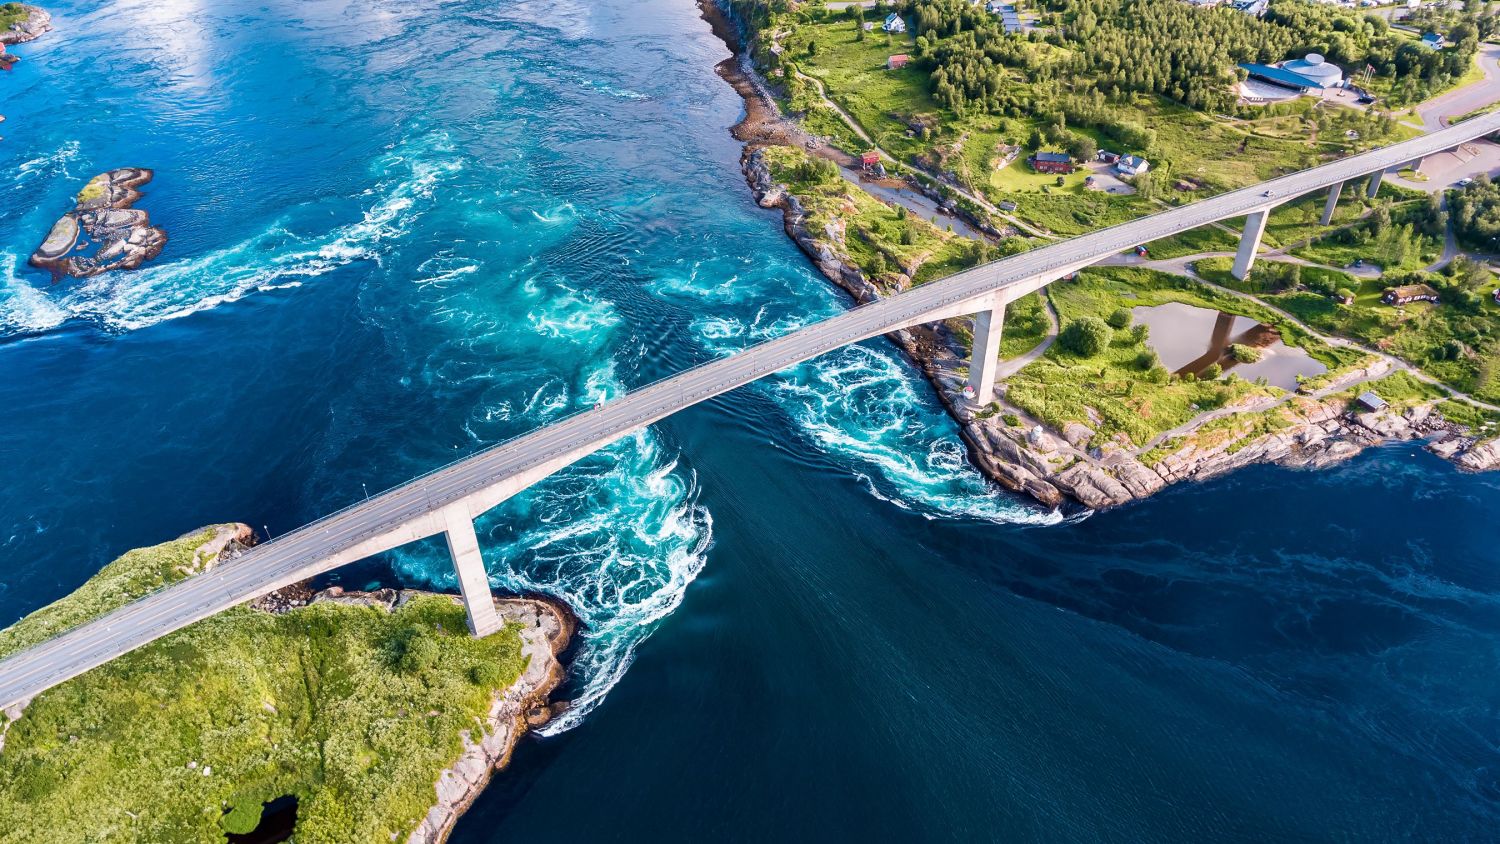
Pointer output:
400, 232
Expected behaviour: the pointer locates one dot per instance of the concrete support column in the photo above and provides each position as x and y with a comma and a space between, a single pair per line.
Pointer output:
984, 354
1332, 203
463, 547
1255, 227
1375, 183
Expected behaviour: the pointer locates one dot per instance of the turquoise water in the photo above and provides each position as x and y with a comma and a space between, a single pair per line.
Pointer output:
402, 233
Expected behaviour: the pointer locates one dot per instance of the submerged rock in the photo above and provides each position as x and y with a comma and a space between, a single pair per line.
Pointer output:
122, 237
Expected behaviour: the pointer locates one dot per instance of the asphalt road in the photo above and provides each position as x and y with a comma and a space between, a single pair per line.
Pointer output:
306, 551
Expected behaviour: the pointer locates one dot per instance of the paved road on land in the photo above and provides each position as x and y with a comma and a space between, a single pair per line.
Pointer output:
306, 551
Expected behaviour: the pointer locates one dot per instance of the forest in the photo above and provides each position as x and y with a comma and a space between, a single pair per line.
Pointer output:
1170, 48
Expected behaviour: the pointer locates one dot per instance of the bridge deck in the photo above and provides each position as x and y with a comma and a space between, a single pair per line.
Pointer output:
311, 550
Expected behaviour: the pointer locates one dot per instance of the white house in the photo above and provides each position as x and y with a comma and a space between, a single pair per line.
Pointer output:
1132, 165
894, 23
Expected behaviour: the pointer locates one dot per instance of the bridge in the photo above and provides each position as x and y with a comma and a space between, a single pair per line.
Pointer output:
447, 501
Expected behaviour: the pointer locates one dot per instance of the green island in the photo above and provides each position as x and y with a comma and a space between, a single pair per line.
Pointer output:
353, 708
1021, 123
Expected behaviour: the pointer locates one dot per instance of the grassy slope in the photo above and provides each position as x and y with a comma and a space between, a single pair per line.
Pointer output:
308, 703
134, 574
870, 226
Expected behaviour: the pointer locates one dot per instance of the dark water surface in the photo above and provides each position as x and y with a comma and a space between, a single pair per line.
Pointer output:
402, 232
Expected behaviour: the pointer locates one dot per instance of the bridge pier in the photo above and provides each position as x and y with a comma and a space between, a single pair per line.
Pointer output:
984, 352
1331, 204
1374, 183
473, 582
1255, 228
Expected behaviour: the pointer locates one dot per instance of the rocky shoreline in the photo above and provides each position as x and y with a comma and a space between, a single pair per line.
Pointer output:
546, 628
122, 236
33, 26
1056, 468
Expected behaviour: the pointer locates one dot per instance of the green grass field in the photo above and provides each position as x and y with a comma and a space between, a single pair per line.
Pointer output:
352, 709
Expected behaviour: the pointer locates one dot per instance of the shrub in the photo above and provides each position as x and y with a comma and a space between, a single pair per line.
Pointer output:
1146, 360
1244, 354
413, 651
1011, 419
487, 675
1141, 333
1085, 337
1120, 318
1211, 372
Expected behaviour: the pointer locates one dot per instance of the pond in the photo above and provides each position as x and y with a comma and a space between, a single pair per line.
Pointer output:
1190, 339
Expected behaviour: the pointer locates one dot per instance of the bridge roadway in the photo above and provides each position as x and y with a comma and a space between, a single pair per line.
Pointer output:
481, 481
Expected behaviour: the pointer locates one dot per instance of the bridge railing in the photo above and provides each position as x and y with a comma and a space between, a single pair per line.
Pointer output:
334, 515
1063, 258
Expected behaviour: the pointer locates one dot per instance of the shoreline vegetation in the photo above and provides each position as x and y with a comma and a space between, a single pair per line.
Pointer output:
1107, 425
375, 712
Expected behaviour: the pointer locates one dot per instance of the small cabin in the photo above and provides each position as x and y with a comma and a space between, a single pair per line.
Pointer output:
897, 61
1409, 293
869, 159
1370, 402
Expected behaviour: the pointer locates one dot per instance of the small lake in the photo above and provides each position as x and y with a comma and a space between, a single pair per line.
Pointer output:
1190, 339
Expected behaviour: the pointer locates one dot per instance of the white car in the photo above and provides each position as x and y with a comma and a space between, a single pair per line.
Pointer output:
1465, 182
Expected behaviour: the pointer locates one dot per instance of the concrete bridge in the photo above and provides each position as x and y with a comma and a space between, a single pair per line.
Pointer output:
448, 500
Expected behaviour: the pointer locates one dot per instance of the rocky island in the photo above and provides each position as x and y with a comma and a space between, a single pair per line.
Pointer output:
336, 716
103, 232
20, 23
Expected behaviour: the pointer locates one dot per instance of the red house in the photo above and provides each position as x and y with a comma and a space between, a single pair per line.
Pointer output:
897, 61
869, 159
1052, 162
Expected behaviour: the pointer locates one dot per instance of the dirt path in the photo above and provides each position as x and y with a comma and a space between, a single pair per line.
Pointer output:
1020, 362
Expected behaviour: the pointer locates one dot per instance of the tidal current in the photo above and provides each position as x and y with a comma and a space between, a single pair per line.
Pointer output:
403, 232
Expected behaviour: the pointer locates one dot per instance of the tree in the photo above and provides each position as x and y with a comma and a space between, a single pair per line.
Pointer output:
1083, 148
1085, 337
1120, 318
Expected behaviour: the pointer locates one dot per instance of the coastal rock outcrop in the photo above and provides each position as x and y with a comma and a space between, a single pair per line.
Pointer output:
545, 629
25, 23
28, 27
103, 232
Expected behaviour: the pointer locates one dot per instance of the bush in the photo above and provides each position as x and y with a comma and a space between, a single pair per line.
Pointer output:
487, 675
1211, 372
413, 651
1244, 354
1120, 318
1147, 360
1085, 337
1011, 419
1141, 333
